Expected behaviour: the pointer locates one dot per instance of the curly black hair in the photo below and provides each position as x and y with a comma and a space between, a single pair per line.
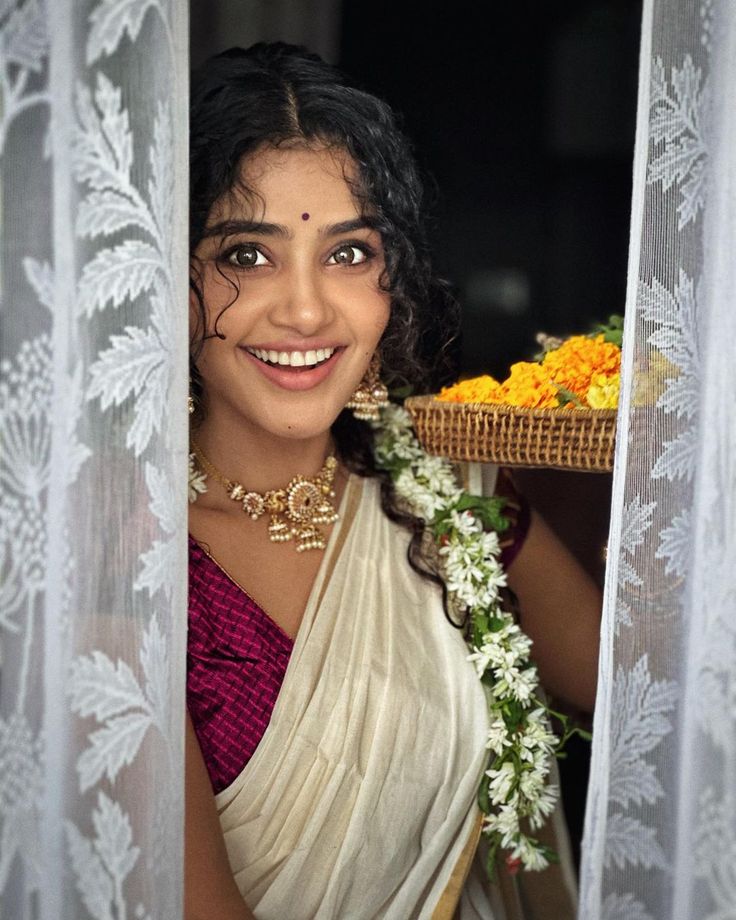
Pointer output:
275, 94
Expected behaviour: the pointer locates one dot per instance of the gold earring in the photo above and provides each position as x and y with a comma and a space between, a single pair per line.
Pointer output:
190, 398
371, 394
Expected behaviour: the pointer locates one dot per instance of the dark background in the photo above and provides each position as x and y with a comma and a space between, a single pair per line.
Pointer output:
522, 119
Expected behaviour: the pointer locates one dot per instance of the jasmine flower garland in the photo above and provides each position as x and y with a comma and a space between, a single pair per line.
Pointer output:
515, 794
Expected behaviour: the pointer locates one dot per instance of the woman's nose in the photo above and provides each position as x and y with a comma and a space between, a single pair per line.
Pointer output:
302, 303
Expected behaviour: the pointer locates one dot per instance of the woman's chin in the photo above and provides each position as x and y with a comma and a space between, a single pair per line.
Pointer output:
304, 426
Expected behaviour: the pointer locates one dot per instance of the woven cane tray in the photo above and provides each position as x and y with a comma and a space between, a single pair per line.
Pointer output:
563, 439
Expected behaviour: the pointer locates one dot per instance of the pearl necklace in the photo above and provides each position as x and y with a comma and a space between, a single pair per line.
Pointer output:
298, 512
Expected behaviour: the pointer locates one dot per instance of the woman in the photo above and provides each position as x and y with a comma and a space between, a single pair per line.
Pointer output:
332, 709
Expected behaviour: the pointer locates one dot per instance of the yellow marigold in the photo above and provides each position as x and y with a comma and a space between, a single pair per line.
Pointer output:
483, 389
529, 385
603, 391
578, 359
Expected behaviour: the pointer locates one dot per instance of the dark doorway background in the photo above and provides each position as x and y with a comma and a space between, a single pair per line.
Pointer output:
522, 115
522, 118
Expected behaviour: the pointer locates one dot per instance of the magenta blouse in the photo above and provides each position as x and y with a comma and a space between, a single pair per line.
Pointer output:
237, 655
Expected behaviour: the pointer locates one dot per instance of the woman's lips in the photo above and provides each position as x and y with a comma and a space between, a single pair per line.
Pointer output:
295, 378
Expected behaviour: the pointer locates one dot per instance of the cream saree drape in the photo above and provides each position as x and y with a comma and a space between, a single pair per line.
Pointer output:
362, 794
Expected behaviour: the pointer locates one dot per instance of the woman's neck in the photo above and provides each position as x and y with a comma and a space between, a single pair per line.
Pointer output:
258, 459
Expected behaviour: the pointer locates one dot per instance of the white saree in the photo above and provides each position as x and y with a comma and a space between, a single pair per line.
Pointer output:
361, 796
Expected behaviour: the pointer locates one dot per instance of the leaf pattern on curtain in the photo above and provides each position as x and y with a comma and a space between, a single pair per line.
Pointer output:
715, 853
114, 696
24, 43
676, 123
640, 707
623, 907
660, 837
137, 363
637, 520
676, 340
103, 864
116, 595
111, 19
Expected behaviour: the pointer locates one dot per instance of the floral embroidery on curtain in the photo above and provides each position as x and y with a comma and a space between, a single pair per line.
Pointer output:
93, 254
660, 839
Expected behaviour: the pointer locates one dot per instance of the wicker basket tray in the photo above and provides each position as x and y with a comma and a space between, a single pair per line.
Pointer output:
563, 439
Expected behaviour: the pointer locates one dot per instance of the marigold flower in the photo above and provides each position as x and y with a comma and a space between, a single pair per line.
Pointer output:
483, 389
574, 363
529, 384
589, 367
603, 391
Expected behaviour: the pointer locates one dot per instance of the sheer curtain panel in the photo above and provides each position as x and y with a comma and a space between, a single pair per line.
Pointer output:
660, 837
93, 457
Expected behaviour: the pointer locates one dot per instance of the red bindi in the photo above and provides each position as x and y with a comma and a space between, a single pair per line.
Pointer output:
305, 216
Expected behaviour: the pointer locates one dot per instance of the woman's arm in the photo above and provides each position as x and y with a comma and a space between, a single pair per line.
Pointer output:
210, 892
560, 609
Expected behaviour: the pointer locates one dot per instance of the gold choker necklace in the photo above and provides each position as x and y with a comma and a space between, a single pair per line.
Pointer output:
297, 512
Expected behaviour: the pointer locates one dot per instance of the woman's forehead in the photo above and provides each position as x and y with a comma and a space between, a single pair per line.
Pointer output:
303, 179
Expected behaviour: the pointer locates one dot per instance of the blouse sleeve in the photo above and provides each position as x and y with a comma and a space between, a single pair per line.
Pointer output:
518, 510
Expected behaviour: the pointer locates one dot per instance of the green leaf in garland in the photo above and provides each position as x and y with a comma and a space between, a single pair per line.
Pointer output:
488, 510
480, 628
484, 801
491, 860
513, 715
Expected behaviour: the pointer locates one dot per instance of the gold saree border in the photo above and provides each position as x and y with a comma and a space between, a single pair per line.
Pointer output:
450, 897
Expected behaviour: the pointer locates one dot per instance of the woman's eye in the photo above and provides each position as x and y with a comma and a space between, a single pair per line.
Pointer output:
246, 257
349, 255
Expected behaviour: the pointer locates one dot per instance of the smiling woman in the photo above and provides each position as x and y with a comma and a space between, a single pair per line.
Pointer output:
304, 289
337, 732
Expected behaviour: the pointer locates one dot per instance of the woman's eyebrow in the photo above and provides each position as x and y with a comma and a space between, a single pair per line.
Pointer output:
264, 228
254, 227
347, 226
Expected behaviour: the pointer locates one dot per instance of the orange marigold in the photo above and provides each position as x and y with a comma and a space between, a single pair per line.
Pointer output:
529, 384
574, 364
483, 389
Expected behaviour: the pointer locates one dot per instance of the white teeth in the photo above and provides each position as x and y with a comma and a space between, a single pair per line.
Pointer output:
293, 358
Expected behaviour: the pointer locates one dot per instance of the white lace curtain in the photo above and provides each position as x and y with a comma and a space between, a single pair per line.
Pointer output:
93, 269
93, 456
660, 837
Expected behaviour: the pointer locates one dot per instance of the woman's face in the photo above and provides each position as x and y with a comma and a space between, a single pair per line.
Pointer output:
309, 311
